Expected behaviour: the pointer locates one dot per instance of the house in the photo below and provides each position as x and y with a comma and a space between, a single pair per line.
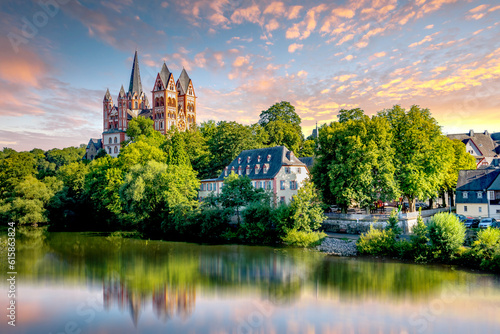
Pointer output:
478, 193
482, 146
275, 169
92, 148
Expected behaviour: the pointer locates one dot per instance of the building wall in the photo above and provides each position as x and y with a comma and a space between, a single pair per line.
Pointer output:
294, 175
113, 149
475, 210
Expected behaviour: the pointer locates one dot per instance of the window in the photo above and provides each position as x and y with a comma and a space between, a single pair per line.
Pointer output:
209, 187
257, 169
110, 140
465, 208
259, 158
248, 169
480, 209
116, 149
266, 167
268, 157
239, 160
239, 170
116, 140
261, 185
248, 160
479, 194
299, 170
109, 149
282, 185
282, 199
293, 185
498, 211
465, 195
287, 170
202, 187
225, 171
135, 105
268, 185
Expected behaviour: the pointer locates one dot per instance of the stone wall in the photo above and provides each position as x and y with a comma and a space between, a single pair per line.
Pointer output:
360, 223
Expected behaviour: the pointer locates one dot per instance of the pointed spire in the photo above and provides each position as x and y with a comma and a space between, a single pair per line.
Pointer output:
164, 74
184, 81
107, 96
135, 77
122, 92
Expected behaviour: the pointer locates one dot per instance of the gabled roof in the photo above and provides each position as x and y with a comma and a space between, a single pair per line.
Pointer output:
476, 179
280, 156
164, 75
183, 82
135, 78
96, 142
483, 141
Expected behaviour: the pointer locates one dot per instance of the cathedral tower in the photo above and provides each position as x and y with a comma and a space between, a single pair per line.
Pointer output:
187, 101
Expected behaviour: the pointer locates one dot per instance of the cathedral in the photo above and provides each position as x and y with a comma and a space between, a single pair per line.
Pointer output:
173, 104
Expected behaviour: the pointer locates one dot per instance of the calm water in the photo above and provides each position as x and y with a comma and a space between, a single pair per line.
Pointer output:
88, 283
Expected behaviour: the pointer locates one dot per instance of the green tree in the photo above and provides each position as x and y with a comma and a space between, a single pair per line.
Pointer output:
462, 160
354, 164
422, 155
140, 152
283, 111
420, 241
306, 211
345, 115
238, 191
307, 148
227, 141
152, 191
175, 149
14, 168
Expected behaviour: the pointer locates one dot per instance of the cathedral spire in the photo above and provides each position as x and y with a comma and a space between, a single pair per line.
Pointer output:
135, 78
107, 96
184, 81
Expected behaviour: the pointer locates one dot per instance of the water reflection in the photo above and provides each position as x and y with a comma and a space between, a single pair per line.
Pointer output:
206, 288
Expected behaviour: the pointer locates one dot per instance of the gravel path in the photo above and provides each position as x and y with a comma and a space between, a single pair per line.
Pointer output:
338, 247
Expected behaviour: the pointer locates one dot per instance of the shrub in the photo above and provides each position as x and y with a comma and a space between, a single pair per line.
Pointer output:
393, 224
303, 239
404, 250
420, 241
376, 242
447, 235
259, 224
487, 249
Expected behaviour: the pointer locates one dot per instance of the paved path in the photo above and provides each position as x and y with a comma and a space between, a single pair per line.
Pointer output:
355, 236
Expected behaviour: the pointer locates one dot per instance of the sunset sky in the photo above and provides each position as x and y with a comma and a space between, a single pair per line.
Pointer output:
244, 56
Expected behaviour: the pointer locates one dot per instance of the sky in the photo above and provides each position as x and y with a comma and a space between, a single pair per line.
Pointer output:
58, 57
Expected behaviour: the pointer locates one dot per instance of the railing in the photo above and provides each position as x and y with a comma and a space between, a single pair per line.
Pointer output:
494, 201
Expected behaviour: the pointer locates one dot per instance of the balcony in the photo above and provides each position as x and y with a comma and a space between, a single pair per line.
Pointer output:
495, 201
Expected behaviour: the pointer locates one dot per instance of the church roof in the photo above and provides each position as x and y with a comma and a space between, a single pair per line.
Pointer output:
164, 75
278, 156
135, 78
97, 143
122, 92
107, 96
183, 82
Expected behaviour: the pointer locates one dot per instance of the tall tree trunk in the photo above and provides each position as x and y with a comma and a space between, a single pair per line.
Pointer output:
431, 203
443, 195
451, 197
411, 204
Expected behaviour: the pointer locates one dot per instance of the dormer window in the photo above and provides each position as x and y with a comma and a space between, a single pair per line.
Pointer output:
268, 157
226, 171
479, 194
257, 169
259, 158
248, 169
266, 168
248, 160
240, 170
465, 194
239, 160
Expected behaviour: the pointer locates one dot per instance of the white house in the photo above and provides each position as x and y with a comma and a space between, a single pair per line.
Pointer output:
275, 169
478, 193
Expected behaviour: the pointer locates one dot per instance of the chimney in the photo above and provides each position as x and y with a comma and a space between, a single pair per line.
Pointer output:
471, 133
486, 132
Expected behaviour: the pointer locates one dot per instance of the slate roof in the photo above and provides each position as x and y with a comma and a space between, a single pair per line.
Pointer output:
165, 75
122, 92
483, 141
107, 96
135, 78
184, 82
96, 142
280, 156
308, 161
476, 179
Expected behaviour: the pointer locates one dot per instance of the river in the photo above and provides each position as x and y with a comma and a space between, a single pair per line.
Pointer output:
94, 283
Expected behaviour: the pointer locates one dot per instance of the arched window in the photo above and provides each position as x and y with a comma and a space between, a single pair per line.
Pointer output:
110, 140
157, 102
173, 102
116, 140
135, 104
130, 105
116, 149
109, 149
162, 101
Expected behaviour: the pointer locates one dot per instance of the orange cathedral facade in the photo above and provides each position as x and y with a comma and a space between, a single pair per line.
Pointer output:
173, 103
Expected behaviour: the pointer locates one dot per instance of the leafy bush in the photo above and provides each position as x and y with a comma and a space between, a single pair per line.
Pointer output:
487, 249
302, 238
447, 235
420, 242
393, 224
404, 250
259, 224
376, 242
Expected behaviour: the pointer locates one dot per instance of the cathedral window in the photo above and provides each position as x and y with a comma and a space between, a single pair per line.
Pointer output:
110, 140
135, 104
109, 150
116, 140
130, 105
162, 101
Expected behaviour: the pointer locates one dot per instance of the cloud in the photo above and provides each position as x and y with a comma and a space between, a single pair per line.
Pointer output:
250, 14
348, 58
344, 77
302, 73
275, 8
294, 47
294, 11
426, 39
272, 25
240, 61
303, 29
